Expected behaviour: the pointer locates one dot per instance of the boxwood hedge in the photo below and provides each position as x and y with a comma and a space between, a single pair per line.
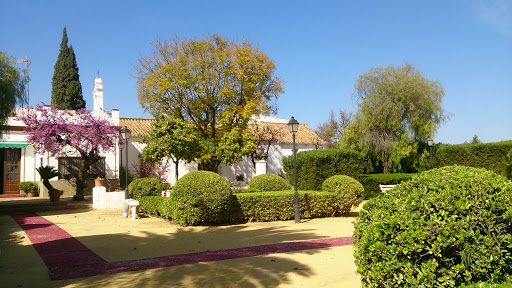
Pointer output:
201, 197
261, 206
146, 187
444, 228
268, 182
314, 166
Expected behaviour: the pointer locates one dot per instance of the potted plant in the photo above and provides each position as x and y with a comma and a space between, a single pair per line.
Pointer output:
99, 181
47, 173
30, 188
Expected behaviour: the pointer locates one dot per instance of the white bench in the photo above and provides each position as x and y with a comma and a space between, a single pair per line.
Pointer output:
385, 188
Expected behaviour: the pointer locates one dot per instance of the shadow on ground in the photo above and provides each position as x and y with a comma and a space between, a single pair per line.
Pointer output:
21, 265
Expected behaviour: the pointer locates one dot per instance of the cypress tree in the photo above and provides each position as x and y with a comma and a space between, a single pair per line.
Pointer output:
66, 87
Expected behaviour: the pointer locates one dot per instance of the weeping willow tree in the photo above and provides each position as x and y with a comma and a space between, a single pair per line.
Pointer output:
399, 108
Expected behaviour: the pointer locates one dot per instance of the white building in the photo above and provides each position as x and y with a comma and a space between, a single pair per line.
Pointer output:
278, 147
18, 162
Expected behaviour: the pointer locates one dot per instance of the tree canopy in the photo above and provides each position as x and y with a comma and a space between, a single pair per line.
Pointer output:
60, 132
66, 86
12, 86
171, 138
398, 107
214, 83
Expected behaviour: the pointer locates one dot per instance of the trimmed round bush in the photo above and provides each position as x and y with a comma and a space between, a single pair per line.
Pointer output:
446, 227
268, 182
201, 197
146, 187
350, 191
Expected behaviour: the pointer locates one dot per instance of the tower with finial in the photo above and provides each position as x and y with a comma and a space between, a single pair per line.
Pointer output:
98, 94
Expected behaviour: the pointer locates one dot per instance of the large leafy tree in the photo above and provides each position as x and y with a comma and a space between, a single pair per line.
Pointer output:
12, 86
398, 107
214, 83
66, 86
63, 132
171, 138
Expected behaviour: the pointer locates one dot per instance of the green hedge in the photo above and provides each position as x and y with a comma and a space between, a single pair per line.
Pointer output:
201, 197
371, 182
314, 166
444, 228
487, 285
146, 187
490, 156
262, 206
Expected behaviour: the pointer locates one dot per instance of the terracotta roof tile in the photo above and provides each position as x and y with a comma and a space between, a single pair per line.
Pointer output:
305, 135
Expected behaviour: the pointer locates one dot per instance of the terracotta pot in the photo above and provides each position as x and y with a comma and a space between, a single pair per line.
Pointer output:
31, 193
55, 195
98, 182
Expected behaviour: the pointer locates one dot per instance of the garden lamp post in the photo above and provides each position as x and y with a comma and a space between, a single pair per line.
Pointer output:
126, 133
293, 126
120, 158
430, 143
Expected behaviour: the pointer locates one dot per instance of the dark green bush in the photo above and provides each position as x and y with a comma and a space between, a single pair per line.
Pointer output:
444, 228
201, 197
268, 182
146, 187
371, 182
350, 192
314, 166
491, 156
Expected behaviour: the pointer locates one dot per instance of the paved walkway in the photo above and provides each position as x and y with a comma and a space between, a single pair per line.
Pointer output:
85, 246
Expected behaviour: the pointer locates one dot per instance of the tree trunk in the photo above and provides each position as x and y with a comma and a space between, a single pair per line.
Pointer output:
80, 182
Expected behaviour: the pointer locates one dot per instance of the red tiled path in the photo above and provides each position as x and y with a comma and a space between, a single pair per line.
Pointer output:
67, 258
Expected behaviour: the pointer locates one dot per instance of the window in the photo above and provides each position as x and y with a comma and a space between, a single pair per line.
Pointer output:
69, 167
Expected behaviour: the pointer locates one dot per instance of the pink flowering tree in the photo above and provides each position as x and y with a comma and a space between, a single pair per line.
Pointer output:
61, 132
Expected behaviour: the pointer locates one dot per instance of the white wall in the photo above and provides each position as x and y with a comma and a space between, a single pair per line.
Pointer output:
245, 167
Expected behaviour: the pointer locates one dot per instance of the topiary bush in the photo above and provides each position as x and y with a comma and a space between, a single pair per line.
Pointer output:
146, 187
201, 197
268, 182
350, 191
444, 228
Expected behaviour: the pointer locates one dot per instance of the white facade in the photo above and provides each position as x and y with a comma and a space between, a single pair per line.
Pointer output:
14, 139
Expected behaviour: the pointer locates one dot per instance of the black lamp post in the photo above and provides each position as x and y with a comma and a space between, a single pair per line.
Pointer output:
293, 126
120, 157
126, 133
430, 143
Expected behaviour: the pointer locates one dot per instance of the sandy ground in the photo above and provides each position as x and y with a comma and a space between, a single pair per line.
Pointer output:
115, 239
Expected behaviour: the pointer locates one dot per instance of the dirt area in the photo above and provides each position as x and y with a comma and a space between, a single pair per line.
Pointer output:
116, 239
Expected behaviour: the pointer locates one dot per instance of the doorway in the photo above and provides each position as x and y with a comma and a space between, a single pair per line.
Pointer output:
10, 166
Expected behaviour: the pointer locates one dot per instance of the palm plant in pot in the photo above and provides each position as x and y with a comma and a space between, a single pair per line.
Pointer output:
47, 173
30, 188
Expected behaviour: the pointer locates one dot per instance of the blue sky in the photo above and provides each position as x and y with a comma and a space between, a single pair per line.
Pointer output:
320, 48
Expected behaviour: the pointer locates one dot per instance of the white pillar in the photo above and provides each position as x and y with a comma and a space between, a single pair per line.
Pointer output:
261, 167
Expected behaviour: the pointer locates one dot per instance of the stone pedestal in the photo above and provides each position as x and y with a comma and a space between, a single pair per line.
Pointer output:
101, 199
261, 167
